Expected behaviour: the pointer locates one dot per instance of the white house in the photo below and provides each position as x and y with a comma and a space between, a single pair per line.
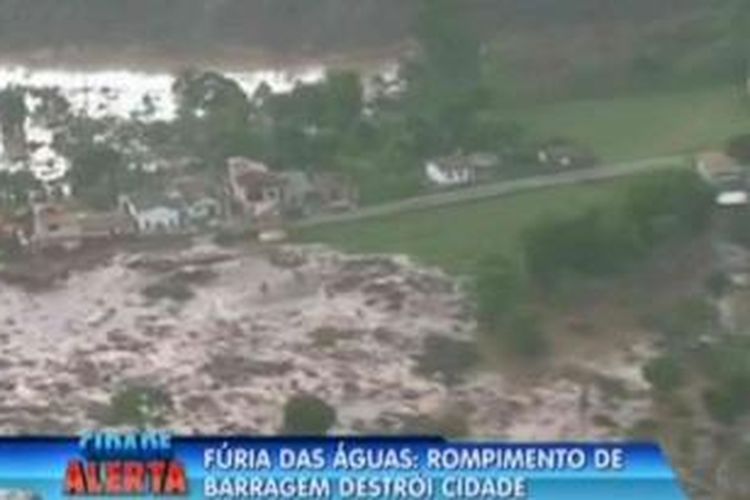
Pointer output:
443, 176
735, 198
153, 213
198, 199
459, 169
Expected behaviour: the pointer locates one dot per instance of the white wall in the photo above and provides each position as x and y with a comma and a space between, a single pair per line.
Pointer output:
158, 219
441, 177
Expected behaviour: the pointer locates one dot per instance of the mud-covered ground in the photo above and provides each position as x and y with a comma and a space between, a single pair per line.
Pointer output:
227, 336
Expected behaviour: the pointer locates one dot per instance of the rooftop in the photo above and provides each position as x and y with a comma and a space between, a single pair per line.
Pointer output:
717, 164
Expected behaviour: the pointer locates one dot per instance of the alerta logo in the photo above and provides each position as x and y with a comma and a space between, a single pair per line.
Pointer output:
137, 464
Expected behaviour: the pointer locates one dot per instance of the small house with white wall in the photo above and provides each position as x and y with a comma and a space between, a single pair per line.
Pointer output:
153, 213
460, 169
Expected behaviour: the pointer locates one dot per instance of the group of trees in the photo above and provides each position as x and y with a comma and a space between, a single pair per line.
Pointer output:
329, 125
603, 241
305, 128
14, 187
728, 372
597, 243
722, 367
213, 115
594, 243
13, 110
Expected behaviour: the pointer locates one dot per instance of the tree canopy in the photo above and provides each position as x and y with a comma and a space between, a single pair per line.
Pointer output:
213, 115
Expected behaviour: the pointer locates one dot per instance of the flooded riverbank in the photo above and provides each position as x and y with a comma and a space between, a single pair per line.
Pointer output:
225, 337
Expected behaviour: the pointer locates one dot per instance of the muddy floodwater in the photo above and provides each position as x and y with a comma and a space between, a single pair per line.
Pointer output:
228, 336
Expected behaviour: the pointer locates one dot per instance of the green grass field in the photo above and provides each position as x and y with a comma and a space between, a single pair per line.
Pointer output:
644, 126
618, 129
456, 237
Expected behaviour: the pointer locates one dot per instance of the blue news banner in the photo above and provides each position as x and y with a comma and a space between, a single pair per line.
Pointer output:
152, 465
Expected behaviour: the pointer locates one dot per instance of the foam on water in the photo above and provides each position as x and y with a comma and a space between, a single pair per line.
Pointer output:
121, 92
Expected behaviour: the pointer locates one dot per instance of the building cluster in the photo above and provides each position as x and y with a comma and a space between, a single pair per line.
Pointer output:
247, 195
480, 167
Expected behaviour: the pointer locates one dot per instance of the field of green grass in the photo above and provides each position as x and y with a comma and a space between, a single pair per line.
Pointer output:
644, 126
456, 237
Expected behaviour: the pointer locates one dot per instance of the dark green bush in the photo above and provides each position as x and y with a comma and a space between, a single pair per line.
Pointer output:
448, 357
138, 406
665, 374
308, 416
594, 243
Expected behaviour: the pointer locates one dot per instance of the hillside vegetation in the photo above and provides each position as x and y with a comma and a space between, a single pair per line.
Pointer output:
279, 24
565, 40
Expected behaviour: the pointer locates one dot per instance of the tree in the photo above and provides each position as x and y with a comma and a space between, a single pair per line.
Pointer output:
664, 373
444, 84
52, 109
307, 416
669, 204
447, 357
13, 110
489, 132
728, 370
686, 321
344, 100
593, 243
13, 114
139, 406
98, 175
727, 403
213, 115
313, 124
15, 187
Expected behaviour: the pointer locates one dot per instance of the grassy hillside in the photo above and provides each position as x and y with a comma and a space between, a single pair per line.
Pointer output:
457, 237
644, 126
